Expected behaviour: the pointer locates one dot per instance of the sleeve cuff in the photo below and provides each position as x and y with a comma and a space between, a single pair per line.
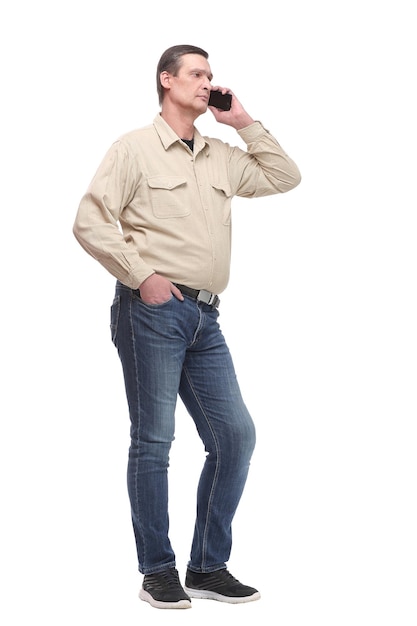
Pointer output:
252, 132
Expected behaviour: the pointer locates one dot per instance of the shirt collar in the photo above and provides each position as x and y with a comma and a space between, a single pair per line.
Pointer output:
169, 137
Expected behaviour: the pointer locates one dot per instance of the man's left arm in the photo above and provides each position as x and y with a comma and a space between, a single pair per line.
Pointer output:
268, 169
265, 168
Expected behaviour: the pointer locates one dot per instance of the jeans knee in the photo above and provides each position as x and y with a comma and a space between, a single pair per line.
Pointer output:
240, 442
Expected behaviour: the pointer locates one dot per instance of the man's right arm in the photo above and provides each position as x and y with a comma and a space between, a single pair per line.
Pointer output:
96, 223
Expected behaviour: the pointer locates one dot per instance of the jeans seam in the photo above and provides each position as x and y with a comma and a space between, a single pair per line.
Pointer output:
132, 337
218, 463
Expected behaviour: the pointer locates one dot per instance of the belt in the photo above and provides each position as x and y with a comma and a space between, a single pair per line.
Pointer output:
201, 295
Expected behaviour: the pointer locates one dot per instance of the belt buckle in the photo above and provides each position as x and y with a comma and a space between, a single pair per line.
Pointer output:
208, 298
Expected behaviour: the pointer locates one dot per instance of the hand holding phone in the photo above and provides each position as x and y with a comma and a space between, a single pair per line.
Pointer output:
222, 101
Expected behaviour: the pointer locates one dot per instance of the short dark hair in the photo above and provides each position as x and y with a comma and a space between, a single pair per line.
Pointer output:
170, 62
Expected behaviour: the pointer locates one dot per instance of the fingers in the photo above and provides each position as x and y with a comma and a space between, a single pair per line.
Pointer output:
222, 89
177, 293
156, 290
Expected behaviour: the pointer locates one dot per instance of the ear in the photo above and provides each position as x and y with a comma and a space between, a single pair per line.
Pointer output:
165, 79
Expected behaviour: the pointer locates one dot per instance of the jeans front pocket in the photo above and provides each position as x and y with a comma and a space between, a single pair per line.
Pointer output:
114, 318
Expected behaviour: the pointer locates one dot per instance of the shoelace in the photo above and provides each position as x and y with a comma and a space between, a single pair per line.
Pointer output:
163, 580
220, 577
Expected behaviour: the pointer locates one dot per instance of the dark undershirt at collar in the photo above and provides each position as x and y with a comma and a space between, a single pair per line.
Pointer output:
190, 143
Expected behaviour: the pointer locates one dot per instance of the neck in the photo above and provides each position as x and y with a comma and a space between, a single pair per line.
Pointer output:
181, 122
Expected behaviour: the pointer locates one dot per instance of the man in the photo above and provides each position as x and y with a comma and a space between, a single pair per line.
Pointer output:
157, 216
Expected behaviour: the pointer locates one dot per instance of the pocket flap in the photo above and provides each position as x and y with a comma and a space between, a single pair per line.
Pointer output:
166, 182
223, 186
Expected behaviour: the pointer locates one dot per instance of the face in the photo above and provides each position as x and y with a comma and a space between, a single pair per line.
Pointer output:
190, 89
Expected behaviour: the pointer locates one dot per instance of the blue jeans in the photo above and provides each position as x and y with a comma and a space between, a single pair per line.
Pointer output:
168, 349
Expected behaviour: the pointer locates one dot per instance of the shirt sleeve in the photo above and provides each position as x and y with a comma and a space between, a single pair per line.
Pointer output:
265, 168
96, 225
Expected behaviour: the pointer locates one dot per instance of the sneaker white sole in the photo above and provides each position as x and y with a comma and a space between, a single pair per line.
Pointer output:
203, 594
157, 604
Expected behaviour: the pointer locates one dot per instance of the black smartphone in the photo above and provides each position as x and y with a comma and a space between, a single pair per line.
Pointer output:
220, 101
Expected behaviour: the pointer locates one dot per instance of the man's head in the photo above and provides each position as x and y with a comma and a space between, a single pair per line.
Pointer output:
171, 61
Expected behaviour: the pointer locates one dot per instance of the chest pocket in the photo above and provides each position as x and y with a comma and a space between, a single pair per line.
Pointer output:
223, 196
168, 196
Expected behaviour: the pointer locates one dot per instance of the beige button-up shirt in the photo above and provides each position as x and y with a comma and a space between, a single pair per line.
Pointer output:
155, 206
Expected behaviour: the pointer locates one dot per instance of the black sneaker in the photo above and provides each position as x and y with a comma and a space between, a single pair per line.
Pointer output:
219, 585
164, 590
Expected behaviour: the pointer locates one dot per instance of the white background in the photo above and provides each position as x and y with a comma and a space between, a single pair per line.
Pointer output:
320, 313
